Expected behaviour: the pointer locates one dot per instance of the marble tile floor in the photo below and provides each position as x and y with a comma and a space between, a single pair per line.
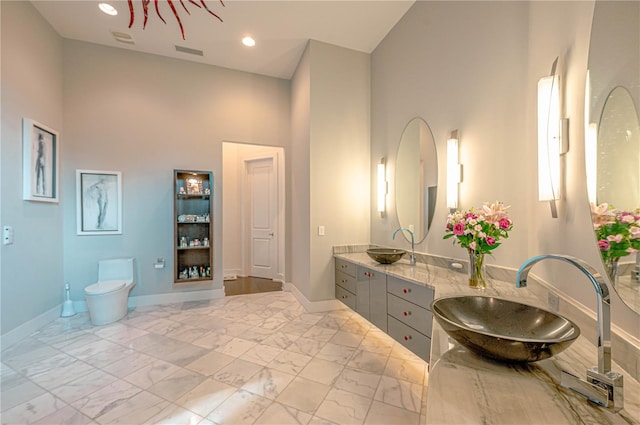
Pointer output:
246, 359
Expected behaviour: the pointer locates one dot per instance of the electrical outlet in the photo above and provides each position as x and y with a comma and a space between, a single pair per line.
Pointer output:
7, 235
456, 266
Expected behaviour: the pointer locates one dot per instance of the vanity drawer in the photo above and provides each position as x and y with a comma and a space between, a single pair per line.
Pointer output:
346, 267
417, 317
420, 295
346, 297
368, 274
418, 343
346, 281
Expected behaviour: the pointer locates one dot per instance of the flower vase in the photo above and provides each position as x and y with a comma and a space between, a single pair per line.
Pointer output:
477, 277
611, 267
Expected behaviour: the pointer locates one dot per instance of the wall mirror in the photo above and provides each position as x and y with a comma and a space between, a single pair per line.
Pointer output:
612, 148
416, 180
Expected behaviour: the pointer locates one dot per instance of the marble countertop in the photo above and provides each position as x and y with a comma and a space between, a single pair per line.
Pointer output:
465, 388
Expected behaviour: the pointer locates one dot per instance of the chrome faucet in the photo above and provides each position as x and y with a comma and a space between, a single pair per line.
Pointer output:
412, 257
602, 386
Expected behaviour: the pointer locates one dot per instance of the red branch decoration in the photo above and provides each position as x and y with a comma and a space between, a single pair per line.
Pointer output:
145, 11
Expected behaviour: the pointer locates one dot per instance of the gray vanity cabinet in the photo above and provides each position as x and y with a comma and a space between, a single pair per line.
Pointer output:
362, 292
346, 283
398, 307
410, 319
371, 300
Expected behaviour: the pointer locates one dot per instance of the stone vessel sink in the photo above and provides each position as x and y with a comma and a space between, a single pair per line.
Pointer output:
504, 330
385, 255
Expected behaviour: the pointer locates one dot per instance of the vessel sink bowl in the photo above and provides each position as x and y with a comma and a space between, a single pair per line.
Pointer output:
386, 255
504, 330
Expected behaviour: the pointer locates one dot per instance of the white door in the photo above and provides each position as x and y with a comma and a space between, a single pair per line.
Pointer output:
262, 218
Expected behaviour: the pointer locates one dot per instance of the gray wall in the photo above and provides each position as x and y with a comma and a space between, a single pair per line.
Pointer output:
146, 115
330, 146
474, 66
299, 173
453, 64
32, 71
116, 110
339, 157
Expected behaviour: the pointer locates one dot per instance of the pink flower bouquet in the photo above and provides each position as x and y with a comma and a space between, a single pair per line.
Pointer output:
479, 230
618, 232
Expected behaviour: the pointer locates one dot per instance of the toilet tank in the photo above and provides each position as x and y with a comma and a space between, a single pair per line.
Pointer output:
116, 269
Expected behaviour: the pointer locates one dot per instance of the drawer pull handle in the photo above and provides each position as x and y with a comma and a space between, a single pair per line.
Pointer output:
407, 313
343, 280
406, 291
407, 337
343, 266
344, 297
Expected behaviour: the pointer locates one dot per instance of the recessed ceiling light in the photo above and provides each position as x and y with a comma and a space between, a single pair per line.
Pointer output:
108, 9
248, 41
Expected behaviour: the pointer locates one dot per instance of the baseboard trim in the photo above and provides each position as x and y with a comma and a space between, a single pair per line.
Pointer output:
29, 327
313, 306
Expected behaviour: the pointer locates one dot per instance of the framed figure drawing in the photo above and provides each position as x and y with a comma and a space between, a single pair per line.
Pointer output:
40, 159
98, 202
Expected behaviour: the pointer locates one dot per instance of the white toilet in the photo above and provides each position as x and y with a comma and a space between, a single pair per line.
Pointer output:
107, 299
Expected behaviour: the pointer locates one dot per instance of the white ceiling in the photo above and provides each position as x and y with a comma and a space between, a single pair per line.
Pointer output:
281, 28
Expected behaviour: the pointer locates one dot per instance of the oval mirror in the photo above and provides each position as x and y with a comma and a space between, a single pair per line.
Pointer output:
416, 180
618, 152
612, 148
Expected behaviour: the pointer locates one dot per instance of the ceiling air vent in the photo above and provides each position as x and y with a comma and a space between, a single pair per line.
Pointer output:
189, 51
123, 37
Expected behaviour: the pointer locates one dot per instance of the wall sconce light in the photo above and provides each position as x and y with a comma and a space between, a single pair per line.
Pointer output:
552, 139
591, 157
454, 171
590, 144
382, 187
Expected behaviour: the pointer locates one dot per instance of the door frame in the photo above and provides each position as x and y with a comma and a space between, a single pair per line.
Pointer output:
277, 158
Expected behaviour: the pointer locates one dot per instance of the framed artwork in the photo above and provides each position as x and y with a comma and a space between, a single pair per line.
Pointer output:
194, 186
98, 202
40, 159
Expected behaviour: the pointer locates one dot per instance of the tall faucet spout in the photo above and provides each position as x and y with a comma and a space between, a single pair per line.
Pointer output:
602, 386
412, 257
603, 307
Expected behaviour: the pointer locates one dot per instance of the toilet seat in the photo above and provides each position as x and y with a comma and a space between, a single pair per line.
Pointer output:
104, 287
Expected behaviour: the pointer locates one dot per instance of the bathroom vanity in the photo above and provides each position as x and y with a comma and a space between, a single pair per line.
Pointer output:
397, 306
464, 387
